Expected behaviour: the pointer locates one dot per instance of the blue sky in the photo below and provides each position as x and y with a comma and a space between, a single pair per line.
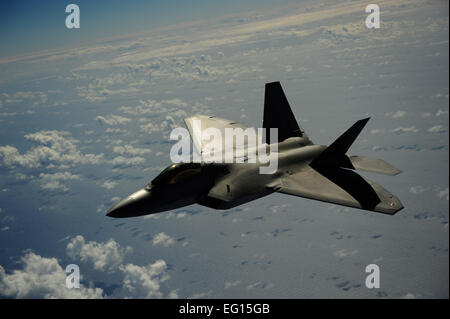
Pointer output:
29, 26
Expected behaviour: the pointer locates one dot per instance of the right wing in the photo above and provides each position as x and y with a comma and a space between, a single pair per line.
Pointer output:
340, 186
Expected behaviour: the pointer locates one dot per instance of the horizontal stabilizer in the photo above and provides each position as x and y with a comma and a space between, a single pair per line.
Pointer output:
373, 165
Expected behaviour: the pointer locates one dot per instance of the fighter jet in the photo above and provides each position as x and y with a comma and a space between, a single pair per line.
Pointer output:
324, 173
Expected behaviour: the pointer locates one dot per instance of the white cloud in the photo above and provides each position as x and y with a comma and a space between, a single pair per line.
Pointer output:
260, 285
200, 295
99, 89
153, 107
376, 131
128, 149
412, 129
278, 208
56, 147
20, 176
150, 128
53, 181
144, 281
441, 112
397, 114
181, 215
115, 130
45, 278
232, 284
112, 119
170, 122
35, 97
163, 239
127, 161
41, 278
173, 294
144, 107
107, 255
436, 129
344, 253
109, 184
417, 189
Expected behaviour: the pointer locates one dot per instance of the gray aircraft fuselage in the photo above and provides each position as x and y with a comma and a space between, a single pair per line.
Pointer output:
244, 181
304, 169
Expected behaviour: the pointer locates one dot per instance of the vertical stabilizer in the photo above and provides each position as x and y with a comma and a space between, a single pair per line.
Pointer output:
278, 114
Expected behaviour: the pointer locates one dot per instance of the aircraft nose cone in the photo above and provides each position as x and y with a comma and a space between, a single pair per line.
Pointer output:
118, 209
132, 205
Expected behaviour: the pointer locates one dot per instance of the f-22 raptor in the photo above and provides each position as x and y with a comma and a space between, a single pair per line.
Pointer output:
324, 173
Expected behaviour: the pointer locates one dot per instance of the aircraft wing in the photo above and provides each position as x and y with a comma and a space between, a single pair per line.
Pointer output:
204, 142
339, 186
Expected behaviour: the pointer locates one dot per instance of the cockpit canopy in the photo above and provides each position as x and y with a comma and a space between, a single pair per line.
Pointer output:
176, 173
